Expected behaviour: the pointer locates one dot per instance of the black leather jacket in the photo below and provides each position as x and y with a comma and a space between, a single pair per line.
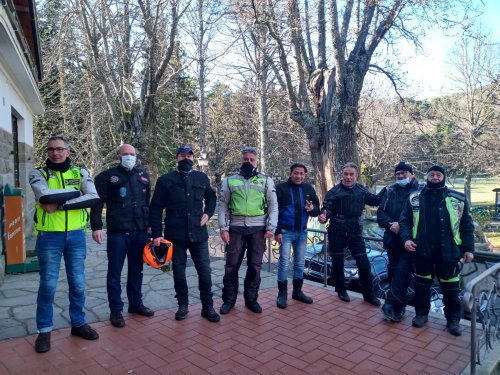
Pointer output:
126, 195
185, 198
390, 209
344, 207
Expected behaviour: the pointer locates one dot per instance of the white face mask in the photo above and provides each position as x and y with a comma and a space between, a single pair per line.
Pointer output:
128, 161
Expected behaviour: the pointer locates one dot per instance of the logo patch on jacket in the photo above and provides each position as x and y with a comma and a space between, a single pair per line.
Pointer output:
73, 181
414, 201
114, 179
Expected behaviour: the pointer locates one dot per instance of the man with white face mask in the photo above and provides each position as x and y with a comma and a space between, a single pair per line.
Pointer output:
400, 261
125, 190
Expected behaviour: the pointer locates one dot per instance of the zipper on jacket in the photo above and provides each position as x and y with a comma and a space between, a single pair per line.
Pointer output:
65, 211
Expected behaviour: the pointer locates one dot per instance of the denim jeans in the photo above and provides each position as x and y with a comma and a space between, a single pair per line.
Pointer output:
131, 246
50, 248
298, 240
201, 260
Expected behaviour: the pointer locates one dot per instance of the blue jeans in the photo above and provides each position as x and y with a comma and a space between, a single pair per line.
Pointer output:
131, 246
299, 241
201, 260
50, 248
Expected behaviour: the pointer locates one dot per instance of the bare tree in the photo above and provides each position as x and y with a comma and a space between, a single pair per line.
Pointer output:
130, 45
205, 19
385, 129
324, 97
473, 114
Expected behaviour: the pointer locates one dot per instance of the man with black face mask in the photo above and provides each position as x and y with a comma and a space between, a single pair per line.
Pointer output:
437, 227
189, 201
248, 215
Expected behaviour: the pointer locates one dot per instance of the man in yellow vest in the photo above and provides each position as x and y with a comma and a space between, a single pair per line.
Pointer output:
436, 226
62, 192
248, 215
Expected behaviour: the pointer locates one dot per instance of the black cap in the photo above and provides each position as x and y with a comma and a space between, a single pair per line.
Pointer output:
402, 166
184, 149
437, 168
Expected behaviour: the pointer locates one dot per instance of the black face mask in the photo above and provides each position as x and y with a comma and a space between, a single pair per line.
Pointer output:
185, 165
247, 169
60, 167
438, 185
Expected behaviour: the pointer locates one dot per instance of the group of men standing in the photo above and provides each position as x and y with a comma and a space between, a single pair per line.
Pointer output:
431, 236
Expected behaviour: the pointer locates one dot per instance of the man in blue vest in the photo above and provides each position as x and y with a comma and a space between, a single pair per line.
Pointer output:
436, 226
125, 190
297, 201
248, 216
62, 192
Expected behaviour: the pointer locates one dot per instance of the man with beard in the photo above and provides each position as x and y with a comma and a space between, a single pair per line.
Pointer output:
436, 226
189, 202
248, 215
62, 192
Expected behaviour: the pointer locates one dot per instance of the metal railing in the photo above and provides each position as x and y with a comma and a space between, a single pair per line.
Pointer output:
482, 306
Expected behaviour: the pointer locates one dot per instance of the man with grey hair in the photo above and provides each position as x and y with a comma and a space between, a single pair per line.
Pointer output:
343, 206
248, 215
63, 192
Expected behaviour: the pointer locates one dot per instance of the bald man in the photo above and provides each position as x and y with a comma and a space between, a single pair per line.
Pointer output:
125, 190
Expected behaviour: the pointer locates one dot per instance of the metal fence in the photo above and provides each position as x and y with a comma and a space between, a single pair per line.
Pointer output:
482, 301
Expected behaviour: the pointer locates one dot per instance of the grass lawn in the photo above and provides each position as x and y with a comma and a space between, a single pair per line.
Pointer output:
482, 189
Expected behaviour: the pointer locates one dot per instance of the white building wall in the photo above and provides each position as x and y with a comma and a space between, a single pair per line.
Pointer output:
19, 96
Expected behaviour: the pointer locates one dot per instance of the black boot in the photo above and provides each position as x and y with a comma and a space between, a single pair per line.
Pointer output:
282, 294
297, 292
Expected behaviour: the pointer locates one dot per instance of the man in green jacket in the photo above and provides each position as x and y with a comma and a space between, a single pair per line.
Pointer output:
62, 192
248, 215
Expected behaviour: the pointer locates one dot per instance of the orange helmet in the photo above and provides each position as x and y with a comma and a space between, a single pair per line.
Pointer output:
158, 256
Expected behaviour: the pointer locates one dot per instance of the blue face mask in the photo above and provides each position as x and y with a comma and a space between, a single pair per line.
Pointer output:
403, 182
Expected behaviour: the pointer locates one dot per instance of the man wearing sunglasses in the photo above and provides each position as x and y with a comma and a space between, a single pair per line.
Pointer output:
62, 192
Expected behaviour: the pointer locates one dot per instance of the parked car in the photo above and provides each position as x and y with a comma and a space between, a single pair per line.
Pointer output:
377, 255
314, 266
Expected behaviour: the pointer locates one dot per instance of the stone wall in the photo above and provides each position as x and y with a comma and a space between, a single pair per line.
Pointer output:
7, 177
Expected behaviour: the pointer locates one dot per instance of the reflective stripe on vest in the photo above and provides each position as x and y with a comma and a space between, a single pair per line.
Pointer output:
455, 208
66, 220
248, 197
